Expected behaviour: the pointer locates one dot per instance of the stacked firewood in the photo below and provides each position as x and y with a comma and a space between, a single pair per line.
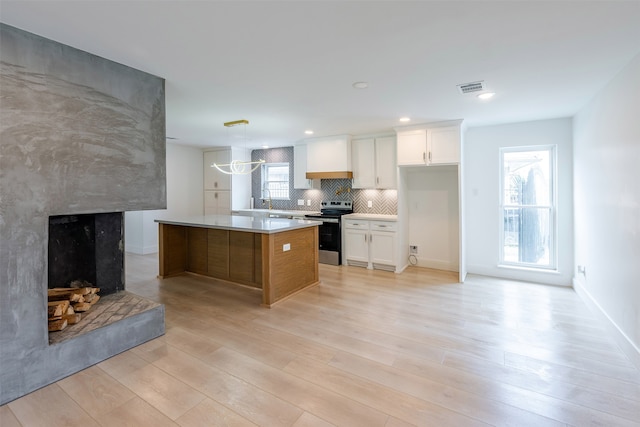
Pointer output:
66, 305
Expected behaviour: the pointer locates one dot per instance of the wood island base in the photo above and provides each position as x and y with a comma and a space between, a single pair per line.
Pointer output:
281, 264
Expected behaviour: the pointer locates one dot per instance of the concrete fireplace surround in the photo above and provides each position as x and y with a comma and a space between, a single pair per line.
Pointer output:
78, 134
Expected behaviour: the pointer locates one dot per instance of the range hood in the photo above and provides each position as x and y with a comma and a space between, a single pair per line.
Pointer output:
329, 157
330, 175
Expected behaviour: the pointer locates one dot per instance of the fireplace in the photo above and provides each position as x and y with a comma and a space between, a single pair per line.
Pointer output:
87, 247
84, 137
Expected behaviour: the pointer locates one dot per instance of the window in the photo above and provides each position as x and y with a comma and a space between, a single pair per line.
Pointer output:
528, 207
275, 181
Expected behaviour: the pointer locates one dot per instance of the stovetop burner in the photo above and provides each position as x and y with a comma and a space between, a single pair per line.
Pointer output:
333, 209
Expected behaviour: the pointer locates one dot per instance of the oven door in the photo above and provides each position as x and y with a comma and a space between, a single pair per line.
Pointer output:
329, 240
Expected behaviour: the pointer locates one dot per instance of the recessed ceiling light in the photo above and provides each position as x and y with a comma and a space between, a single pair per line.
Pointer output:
360, 85
486, 95
308, 132
405, 119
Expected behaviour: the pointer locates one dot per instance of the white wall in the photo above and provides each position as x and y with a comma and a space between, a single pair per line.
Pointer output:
482, 187
184, 198
607, 204
432, 208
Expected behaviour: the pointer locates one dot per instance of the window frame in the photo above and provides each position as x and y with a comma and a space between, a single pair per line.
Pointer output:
552, 207
264, 181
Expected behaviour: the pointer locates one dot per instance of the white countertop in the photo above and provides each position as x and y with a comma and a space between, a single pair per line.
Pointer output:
273, 212
241, 223
374, 217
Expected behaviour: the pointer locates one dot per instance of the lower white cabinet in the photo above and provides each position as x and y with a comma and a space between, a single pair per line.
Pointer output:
370, 244
217, 202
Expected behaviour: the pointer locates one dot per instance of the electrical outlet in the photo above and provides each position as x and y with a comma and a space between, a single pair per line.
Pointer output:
413, 249
308, 202
582, 270
300, 202
369, 204
286, 247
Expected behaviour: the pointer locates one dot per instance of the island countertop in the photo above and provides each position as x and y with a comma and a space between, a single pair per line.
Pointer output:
251, 224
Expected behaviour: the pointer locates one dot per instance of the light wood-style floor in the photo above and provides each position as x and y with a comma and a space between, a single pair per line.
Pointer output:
365, 348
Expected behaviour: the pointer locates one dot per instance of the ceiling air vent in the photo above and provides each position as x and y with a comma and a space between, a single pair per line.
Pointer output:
471, 87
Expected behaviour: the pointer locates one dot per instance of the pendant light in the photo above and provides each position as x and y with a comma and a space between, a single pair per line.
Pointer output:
238, 167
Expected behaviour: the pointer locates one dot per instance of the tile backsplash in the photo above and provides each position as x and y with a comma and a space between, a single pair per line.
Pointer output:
383, 201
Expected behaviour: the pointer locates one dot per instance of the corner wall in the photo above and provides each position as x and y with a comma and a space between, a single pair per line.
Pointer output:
607, 204
184, 198
482, 187
78, 134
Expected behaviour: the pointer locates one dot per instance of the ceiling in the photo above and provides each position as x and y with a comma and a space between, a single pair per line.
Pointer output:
289, 66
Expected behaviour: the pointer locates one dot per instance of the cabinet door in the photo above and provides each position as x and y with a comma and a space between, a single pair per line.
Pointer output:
363, 162
213, 178
217, 202
356, 245
412, 147
386, 165
444, 145
383, 247
224, 202
300, 180
210, 202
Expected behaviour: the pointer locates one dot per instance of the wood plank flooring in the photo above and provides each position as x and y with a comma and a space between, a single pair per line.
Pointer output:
365, 348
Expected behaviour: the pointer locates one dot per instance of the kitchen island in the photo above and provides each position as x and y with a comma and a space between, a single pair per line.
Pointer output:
279, 256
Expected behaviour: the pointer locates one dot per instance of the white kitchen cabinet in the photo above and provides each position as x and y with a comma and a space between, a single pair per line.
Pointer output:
224, 192
443, 145
217, 202
370, 244
430, 145
386, 165
382, 244
330, 154
300, 180
412, 147
213, 178
356, 242
374, 163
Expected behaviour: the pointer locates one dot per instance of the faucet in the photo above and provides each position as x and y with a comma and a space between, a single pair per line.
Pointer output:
269, 195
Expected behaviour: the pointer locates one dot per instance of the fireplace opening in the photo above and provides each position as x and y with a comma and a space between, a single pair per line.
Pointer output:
86, 251
87, 248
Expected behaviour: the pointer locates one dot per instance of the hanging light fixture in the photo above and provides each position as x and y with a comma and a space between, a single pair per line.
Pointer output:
238, 167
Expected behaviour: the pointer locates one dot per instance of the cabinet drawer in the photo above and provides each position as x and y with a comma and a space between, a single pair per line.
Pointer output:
384, 226
356, 223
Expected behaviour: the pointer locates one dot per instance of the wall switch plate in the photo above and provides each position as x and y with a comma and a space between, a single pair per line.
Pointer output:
369, 204
300, 202
308, 202
286, 247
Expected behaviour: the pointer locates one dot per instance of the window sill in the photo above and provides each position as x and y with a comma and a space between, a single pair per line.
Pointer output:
529, 269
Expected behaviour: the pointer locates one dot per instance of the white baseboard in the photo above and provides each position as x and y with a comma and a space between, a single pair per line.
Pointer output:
625, 343
437, 265
141, 250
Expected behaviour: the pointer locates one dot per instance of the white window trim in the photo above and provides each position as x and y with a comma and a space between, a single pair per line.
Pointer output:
263, 181
553, 247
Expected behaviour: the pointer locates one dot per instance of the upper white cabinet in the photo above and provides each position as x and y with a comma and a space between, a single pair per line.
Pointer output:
330, 154
386, 165
412, 147
213, 178
443, 145
431, 144
224, 192
374, 163
300, 180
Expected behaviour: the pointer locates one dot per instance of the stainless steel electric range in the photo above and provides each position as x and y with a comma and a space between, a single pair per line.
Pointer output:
330, 232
